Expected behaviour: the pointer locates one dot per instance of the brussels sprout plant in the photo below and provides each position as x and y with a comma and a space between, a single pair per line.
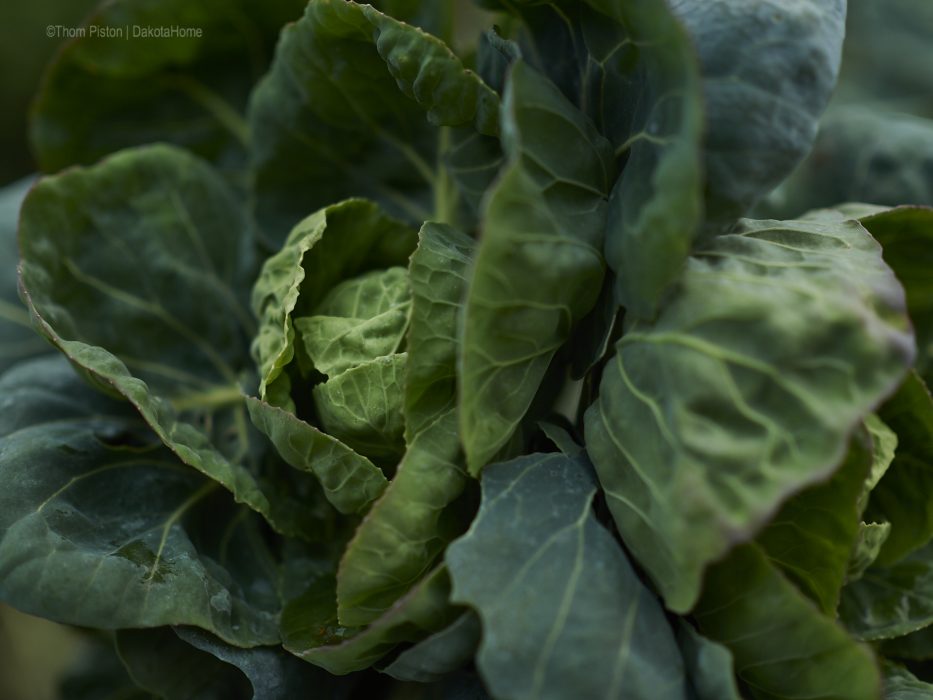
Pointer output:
423, 350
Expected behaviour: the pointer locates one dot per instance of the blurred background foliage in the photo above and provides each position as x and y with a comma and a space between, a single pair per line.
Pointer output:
875, 145
24, 51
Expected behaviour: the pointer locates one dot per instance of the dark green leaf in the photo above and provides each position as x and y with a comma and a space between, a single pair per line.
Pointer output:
656, 205
538, 268
906, 236
778, 339
102, 93
891, 601
901, 684
709, 665
768, 71
185, 663
784, 649
100, 675
902, 496
18, 340
166, 666
862, 155
407, 528
135, 269
311, 630
440, 654
342, 113
101, 526
546, 579
916, 646
812, 537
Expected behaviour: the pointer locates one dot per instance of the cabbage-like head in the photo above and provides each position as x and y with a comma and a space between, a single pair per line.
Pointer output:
355, 337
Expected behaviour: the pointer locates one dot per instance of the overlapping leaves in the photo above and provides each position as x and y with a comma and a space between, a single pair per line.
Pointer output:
743, 390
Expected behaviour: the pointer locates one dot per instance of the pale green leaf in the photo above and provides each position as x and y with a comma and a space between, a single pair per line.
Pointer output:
362, 318
363, 407
331, 245
350, 481
871, 537
408, 527
437, 274
884, 445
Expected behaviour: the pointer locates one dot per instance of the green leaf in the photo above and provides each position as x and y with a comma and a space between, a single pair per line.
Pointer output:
185, 662
901, 684
333, 244
437, 273
812, 537
656, 206
917, 646
868, 544
363, 407
545, 577
99, 674
444, 652
709, 665
546, 215
891, 601
113, 256
784, 649
884, 445
359, 320
902, 496
906, 236
18, 340
350, 481
435, 18
311, 631
100, 526
342, 113
408, 527
861, 154
164, 665
103, 93
763, 95
776, 342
